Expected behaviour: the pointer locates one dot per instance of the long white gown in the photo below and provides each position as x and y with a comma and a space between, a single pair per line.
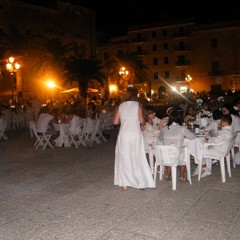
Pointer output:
131, 166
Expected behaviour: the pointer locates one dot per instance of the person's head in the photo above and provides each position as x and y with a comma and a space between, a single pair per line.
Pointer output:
217, 115
237, 104
132, 93
227, 108
175, 116
191, 110
205, 106
226, 120
149, 113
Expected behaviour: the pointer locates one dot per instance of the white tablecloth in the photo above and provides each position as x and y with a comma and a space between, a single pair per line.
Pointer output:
63, 139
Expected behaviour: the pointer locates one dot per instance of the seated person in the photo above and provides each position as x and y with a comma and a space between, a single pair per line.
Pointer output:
174, 134
205, 110
213, 127
190, 115
225, 134
151, 118
44, 124
153, 124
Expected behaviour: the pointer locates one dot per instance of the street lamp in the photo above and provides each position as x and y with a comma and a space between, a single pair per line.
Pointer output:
188, 78
12, 67
123, 73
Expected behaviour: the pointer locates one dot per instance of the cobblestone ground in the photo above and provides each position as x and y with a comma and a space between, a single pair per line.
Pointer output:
68, 193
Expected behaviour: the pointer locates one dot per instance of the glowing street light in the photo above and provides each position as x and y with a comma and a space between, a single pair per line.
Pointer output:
123, 73
188, 78
50, 84
12, 67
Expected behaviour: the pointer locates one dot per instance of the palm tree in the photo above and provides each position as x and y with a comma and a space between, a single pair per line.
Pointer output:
53, 56
83, 71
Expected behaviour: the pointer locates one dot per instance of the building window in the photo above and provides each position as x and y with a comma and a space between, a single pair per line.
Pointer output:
165, 46
154, 47
214, 43
155, 61
164, 32
215, 67
105, 56
139, 37
166, 60
139, 50
181, 45
181, 60
167, 75
155, 76
154, 34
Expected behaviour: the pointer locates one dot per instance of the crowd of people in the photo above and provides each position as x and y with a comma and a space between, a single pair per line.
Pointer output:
140, 127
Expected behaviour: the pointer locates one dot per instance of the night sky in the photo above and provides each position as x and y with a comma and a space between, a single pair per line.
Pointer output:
114, 16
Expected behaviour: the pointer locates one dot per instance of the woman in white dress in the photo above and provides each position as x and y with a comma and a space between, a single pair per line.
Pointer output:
131, 167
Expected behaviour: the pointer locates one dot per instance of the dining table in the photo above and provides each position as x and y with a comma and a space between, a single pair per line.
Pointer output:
63, 139
195, 146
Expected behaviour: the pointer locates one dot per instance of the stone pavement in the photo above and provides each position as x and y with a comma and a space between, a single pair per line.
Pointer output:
68, 193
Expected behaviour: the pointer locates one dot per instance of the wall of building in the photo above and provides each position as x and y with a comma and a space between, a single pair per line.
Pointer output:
208, 53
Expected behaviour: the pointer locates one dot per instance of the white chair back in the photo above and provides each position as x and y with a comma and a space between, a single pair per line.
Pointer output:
41, 139
166, 155
221, 152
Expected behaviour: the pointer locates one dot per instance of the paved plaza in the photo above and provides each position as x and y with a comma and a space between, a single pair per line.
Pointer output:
68, 193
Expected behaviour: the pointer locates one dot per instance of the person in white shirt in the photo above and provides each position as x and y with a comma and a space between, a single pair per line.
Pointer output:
225, 134
44, 124
213, 127
227, 108
173, 134
152, 129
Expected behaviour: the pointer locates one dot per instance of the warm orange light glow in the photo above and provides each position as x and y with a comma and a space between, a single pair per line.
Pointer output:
50, 84
123, 71
113, 88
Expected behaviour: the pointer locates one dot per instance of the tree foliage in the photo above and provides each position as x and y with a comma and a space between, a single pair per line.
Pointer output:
83, 70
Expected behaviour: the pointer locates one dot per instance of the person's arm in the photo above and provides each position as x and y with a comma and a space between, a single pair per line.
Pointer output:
116, 118
141, 115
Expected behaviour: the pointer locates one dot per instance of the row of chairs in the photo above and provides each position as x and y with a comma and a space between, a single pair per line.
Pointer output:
165, 155
89, 131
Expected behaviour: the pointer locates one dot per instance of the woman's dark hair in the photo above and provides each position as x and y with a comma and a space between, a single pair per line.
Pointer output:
132, 94
230, 108
175, 116
227, 118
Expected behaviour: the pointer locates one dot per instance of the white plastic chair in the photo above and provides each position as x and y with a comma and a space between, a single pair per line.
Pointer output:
42, 139
235, 145
101, 126
166, 155
93, 130
77, 138
221, 156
